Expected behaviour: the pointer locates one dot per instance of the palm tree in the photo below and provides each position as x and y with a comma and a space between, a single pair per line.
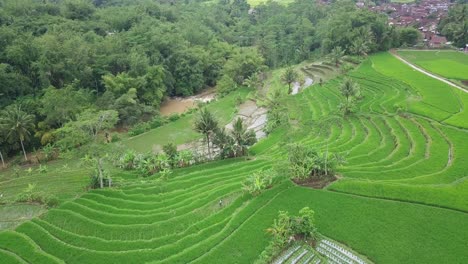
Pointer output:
288, 77
242, 137
349, 90
225, 143
206, 124
336, 54
18, 125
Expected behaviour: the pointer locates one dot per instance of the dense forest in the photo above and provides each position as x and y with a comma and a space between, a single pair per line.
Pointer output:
80, 65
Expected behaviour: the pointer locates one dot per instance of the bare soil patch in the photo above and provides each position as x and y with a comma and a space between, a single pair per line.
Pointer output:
315, 182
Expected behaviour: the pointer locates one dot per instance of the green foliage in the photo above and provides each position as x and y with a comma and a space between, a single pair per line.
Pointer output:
49, 152
277, 114
258, 182
127, 160
86, 128
306, 162
336, 54
173, 117
289, 76
62, 105
235, 142
145, 164
30, 195
42, 169
157, 121
455, 25
139, 128
206, 124
80, 9
409, 36
286, 226
351, 92
171, 152
18, 125
243, 65
226, 85
304, 224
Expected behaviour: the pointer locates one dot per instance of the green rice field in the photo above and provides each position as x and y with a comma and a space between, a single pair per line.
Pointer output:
448, 64
402, 196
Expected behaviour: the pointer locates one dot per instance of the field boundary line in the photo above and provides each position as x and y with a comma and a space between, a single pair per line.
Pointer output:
426, 72
390, 199
242, 224
13, 254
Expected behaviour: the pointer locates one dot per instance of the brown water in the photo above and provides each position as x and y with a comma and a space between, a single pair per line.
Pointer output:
175, 105
181, 104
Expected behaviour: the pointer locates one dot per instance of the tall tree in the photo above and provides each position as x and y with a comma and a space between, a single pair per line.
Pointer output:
289, 76
206, 124
455, 25
243, 137
18, 125
350, 90
336, 54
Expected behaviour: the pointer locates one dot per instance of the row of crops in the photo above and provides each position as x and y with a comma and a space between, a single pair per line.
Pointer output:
404, 177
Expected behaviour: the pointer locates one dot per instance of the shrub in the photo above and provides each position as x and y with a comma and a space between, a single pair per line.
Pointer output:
127, 160
287, 228
174, 117
158, 121
149, 164
185, 158
29, 195
42, 169
139, 129
171, 151
52, 201
115, 137
257, 182
304, 224
17, 171
49, 152
305, 162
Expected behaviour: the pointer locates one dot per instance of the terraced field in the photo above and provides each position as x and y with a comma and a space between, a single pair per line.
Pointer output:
402, 197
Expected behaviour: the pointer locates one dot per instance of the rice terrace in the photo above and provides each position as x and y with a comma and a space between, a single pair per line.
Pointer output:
302, 138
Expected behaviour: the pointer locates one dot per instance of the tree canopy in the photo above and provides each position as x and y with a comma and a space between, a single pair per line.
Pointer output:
61, 58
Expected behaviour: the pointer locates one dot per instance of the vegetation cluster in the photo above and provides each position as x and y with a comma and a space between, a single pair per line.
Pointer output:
84, 67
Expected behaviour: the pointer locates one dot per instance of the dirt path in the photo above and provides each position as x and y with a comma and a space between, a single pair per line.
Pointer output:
427, 73
297, 86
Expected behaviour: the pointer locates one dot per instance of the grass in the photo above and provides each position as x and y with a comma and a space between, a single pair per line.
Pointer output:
181, 131
12, 215
64, 178
448, 64
435, 99
401, 197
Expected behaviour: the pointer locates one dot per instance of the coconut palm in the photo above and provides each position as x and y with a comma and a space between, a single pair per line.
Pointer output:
289, 76
206, 124
18, 125
336, 54
243, 138
225, 143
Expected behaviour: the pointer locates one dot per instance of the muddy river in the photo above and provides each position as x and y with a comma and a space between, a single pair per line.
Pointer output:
178, 105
